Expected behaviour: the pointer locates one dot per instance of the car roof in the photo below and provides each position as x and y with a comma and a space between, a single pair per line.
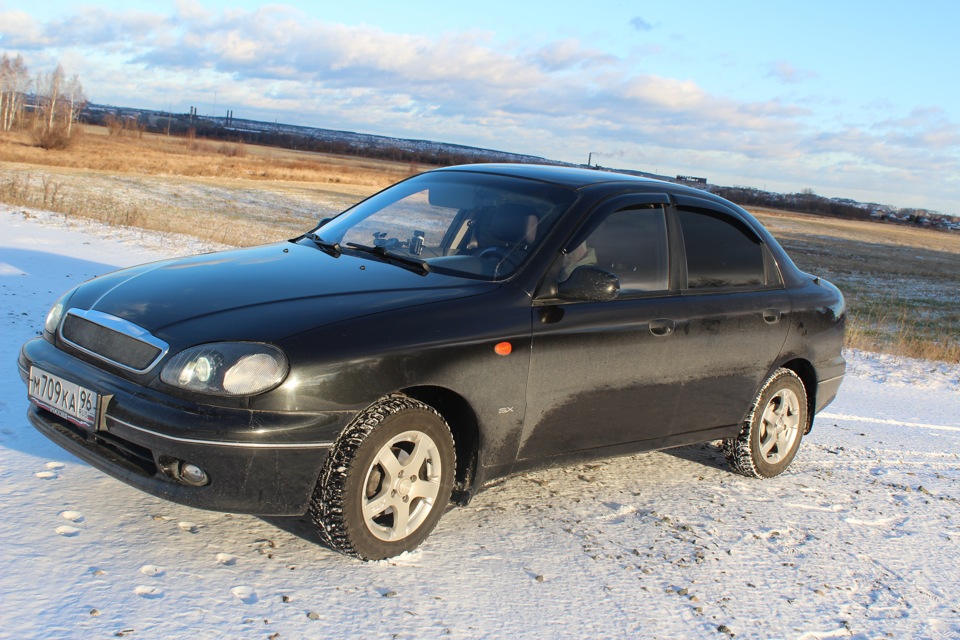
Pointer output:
573, 177
581, 178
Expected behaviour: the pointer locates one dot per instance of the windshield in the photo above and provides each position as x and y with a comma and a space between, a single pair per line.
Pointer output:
462, 223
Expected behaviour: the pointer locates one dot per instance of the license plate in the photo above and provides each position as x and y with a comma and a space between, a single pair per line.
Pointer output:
64, 398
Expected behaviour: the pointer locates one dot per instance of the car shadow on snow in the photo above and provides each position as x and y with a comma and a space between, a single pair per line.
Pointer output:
300, 526
30, 282
709, 454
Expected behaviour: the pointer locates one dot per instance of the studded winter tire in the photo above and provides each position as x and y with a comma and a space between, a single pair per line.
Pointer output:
387, 480
770, 435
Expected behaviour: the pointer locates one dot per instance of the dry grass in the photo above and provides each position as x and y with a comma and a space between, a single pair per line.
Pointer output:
153, 154
227, 192
896, 328
902, 284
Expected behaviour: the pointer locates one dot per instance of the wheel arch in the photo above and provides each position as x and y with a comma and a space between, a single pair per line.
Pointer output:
465, 429
808, 375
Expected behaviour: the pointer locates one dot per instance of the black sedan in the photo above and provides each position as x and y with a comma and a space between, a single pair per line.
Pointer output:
459, 326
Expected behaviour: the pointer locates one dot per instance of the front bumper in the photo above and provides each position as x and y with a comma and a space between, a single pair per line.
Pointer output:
257, 462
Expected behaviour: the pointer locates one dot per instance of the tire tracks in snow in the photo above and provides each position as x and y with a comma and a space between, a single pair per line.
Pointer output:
897, 423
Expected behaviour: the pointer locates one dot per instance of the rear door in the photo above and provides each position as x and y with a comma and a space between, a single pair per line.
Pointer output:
735, 309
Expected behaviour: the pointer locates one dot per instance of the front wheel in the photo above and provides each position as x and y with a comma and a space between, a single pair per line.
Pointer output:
387, 480
770, 436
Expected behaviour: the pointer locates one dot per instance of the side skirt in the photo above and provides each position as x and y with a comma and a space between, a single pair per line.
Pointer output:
487, 476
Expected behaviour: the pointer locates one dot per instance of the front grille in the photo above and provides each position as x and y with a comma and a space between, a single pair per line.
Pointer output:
112, 339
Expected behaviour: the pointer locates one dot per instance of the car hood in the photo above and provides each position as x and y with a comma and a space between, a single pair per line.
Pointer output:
262, 293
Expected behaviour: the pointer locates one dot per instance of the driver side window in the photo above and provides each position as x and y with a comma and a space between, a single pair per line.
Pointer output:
631, 244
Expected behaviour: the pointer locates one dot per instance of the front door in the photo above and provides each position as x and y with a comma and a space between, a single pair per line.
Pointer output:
602, 373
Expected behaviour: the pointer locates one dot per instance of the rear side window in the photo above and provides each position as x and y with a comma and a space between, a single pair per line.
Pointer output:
721, 252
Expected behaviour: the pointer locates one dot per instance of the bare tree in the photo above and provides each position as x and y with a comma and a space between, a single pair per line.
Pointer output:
75, 99
58, 105
38, 103
52, 86
14, 84
6, 92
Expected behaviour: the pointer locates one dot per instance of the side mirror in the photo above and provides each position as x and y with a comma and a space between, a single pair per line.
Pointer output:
591, 284
323, 222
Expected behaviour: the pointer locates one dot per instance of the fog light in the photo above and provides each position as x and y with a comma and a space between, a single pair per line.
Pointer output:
192, 474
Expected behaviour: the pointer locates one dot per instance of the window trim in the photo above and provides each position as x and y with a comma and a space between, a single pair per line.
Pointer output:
546, 291
770, 265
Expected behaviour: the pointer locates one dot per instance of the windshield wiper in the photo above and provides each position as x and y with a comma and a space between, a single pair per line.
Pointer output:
330, 248
410, 263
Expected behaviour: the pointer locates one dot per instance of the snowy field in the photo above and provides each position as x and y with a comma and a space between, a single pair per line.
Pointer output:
861, 538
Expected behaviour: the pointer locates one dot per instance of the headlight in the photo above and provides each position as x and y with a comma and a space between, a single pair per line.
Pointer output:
56, 313
227, 368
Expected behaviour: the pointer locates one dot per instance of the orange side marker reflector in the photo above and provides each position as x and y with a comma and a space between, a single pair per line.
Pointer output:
503, 348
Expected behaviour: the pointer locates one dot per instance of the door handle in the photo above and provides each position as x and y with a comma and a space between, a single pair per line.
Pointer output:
772, 316
662, 327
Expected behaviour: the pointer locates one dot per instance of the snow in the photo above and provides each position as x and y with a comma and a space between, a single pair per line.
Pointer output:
861, 538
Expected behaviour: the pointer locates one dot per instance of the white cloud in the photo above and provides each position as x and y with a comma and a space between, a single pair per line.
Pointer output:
560, 99
191, 10
18, 30
570, 54
667, 94
788, 74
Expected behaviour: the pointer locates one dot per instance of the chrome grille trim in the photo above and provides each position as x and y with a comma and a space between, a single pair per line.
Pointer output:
119, 326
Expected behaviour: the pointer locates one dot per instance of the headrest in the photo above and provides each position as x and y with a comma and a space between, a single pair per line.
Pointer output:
514, 223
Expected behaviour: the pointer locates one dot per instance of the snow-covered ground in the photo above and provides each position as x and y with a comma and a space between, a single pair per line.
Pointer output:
861, 538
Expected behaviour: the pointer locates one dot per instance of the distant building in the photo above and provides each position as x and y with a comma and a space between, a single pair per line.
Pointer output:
693, 181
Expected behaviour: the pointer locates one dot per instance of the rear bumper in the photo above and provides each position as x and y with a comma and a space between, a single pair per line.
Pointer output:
830, 372
827, 391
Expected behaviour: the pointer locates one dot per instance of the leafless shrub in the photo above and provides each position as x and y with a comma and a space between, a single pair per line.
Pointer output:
120, 126
56, 138
237, 150
15, 189
114, 125
58, 104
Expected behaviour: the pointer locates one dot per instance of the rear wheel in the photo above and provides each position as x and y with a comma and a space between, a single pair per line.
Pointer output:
770, 436
387, 481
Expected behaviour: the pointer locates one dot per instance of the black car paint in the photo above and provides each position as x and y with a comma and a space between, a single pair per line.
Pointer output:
356, 329
262, 293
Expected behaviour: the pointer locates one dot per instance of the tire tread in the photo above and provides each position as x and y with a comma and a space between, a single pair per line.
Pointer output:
328, 503
738, 451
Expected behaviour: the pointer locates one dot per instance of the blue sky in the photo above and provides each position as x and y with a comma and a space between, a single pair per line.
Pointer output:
851, 99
